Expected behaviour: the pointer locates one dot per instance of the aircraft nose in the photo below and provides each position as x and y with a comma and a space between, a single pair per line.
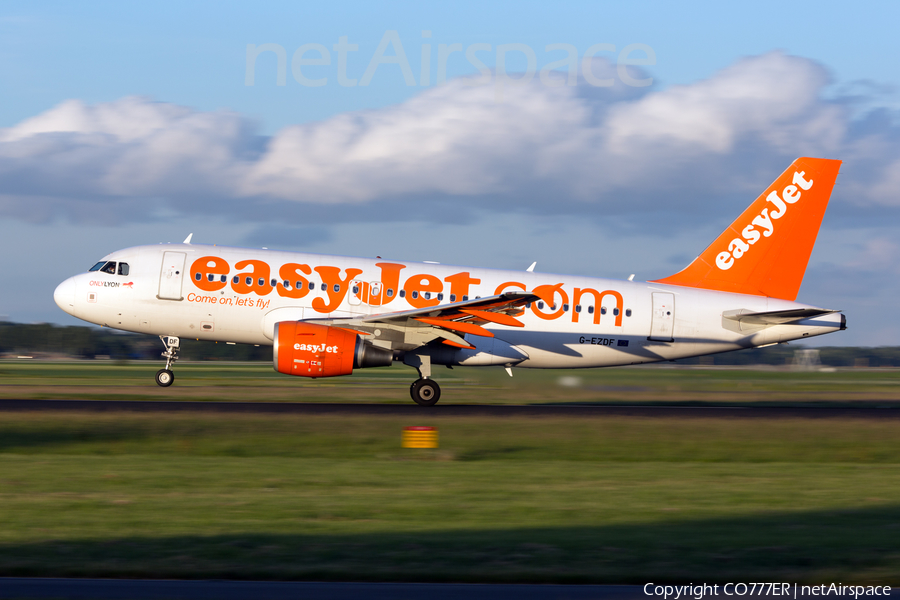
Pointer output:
64, 296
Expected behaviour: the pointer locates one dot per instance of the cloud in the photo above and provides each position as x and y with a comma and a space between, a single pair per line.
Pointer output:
285, 236
453, 149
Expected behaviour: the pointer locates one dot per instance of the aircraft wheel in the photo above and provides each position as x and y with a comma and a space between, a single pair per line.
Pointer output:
164, 377
425, 392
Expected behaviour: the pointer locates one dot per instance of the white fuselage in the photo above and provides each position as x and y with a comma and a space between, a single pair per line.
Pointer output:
595, 322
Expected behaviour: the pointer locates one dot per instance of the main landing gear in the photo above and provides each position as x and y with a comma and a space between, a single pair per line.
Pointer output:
165, 377
424, 391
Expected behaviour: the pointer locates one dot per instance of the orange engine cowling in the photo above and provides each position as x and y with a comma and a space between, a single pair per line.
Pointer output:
313, 350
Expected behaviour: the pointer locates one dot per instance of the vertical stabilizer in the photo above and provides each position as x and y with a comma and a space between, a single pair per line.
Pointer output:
766, 250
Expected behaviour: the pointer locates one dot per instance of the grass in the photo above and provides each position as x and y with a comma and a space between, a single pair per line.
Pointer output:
654, 384
613, 500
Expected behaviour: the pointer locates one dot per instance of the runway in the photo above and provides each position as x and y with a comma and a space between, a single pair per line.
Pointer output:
102, 589
460, 410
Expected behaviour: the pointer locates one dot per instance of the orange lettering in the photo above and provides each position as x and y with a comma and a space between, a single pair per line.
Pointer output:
390, 280
417, 285
335, 287
598, 300
550, 291
260, 271
459, 284
207, 271
291, 272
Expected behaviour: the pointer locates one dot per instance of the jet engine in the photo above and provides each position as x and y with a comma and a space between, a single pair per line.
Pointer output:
313, 350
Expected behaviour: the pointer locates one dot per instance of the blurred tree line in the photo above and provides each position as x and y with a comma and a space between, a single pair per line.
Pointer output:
91, 342
784, 354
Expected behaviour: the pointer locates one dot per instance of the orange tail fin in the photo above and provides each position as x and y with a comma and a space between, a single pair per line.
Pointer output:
765, 251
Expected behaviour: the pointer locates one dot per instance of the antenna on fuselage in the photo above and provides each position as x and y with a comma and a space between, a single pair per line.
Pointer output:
187, 240
531, 268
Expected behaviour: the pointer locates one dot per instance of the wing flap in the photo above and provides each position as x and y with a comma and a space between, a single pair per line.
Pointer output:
502, 303
447, 323
457, 326
494, 317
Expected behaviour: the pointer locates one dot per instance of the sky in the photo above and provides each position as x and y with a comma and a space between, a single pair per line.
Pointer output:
595, 138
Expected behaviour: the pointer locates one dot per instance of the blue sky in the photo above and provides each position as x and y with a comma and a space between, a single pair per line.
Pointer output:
522, 171
194, 53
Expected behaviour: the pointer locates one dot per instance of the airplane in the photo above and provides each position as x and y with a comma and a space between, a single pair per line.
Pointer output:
328, 315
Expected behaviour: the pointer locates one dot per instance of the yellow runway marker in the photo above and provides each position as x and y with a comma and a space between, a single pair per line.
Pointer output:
420, 437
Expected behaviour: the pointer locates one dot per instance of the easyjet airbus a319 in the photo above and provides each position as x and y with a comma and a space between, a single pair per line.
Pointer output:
328, 315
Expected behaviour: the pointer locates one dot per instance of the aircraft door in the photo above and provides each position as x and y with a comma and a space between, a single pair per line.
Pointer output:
171, 276
354, 298
375, 293
663, 318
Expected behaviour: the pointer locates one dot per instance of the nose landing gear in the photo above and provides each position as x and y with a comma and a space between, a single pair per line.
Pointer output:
165, 377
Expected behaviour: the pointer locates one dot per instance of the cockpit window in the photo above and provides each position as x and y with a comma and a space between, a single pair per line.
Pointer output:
109, 266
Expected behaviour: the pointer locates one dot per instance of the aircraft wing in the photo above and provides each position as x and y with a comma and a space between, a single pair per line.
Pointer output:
409, 329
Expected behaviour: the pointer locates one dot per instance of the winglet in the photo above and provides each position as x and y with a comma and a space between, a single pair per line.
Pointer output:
187, 240
766, 250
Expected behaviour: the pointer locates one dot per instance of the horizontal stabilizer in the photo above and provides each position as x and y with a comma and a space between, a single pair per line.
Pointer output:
776, 317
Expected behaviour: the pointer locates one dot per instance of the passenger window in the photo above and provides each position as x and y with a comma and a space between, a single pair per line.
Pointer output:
97, 267
428, 295
274, 282
602, 310
441, 297
465, 298
403, 293
312, 285
224, 278
248, 281
616, 312
627, 312
565, 308
262, 282
236, 279
390, 292
198, 276
415, 294
123, 268
337, 288
540, 306
209, 277
452, 297
590, 310
355, 289
286, 284
578, 308
324, 287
